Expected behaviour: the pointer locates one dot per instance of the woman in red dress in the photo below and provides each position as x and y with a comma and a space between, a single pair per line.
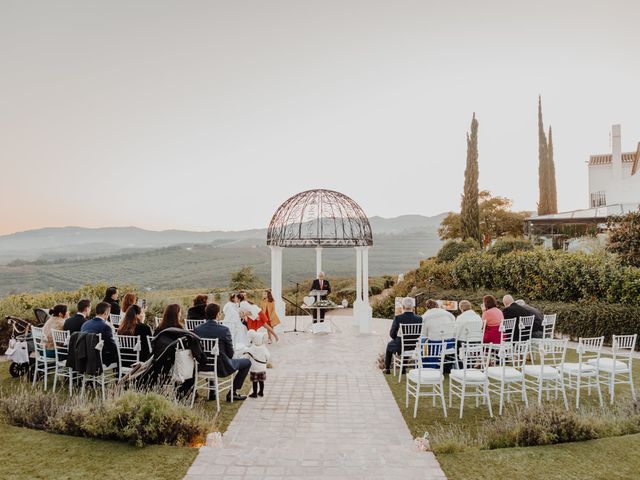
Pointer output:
256, 318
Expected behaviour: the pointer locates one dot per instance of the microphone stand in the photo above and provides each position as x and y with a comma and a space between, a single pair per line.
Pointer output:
295, 312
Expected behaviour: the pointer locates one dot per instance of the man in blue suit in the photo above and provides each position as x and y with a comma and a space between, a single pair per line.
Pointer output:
226, 364
99, 324
407, 317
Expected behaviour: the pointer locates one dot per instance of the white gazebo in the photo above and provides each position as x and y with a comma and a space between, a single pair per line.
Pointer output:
322, 219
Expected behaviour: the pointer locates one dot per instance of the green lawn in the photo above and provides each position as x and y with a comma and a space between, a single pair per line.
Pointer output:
602, 458
37, 454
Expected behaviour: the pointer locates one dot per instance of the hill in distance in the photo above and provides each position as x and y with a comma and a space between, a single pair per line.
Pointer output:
69, 257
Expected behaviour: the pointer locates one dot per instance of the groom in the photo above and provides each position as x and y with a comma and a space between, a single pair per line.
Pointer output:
320, 284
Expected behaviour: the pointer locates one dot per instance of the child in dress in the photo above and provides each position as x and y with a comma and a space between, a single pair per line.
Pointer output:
259, 356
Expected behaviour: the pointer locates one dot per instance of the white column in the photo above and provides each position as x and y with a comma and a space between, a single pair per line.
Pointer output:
318, 260
367, 311
276, 280
357, 305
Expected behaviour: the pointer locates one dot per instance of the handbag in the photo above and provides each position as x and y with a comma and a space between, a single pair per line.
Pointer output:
183, 365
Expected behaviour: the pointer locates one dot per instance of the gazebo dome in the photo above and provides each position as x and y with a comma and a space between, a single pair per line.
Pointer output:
319, 218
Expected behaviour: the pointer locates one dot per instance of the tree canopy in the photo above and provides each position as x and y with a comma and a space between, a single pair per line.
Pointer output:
624, 237
496, 220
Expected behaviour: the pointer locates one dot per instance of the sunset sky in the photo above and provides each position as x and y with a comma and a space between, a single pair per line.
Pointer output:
207, 115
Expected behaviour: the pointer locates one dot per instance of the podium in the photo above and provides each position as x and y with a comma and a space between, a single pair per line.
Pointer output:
319, 325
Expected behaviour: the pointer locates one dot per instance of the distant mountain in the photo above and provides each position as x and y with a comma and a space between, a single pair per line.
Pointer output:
78, 242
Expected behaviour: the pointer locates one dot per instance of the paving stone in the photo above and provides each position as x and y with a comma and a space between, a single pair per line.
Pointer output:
327, 414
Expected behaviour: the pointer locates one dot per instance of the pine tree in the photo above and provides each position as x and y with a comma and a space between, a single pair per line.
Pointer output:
470, 211
543, 170
551, 177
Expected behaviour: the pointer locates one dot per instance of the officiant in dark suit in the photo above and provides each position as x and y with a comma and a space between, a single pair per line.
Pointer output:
320, 284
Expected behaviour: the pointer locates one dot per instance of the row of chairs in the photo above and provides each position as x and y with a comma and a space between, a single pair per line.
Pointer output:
507, 373
129, 348
409, 334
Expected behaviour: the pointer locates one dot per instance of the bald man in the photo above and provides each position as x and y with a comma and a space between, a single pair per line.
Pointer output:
513, 310
320, 284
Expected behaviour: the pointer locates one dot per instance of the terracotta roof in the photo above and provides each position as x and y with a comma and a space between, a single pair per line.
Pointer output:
636, 162
605, 158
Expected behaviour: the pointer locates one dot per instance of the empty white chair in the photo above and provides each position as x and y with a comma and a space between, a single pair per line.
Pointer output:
191, 324
43, 364
616, 369
507, 327
430, 363
548, 374
548, 328
525, 327
472, 376
61, 346
208, 380
507, 377
129, 347
409, 334
589, 349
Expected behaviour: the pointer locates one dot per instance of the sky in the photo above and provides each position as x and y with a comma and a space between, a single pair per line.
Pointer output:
206, 115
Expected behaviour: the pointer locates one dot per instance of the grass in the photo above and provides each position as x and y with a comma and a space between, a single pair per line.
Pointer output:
35, 454
605, 458
30, 452
576, 460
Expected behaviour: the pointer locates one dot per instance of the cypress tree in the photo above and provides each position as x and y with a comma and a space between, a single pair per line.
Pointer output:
470, 211
551, 167
543, 170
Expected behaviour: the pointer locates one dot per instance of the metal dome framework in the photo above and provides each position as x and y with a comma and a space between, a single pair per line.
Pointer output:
319, 218
322, 219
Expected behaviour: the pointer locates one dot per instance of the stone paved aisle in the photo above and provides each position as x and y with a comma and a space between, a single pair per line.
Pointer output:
327, 414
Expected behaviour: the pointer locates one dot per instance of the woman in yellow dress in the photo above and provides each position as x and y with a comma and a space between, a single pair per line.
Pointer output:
268, 306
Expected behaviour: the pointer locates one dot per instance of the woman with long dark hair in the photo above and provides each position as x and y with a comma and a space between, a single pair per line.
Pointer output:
133, 324
170, 318
111, 297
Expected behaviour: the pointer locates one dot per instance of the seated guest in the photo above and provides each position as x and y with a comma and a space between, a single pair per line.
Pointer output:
226, 364
407, 317
468, 322
170, 318
74, 324
197, 311
133, 324
538, 329
492, 317
111, 297
513, 310
128, 300
437, 323
99, 324
59, 314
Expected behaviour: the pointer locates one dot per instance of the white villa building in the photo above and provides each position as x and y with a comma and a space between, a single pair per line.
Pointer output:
614, 189
614, 178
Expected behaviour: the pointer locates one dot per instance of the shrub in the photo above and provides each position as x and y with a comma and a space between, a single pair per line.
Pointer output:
510, 244
452, 249
134, 417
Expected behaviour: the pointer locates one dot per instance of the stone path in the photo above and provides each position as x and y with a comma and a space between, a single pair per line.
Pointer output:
327, 414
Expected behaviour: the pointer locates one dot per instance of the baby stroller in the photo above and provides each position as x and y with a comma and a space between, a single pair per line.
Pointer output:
21, 343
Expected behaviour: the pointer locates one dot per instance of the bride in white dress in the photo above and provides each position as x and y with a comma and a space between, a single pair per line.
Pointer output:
231, 312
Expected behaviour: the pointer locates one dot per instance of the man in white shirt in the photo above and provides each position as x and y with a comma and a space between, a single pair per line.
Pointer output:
468, 323
437, 323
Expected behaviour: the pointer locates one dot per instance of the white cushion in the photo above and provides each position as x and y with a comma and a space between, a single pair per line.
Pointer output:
606, 365
546, 371
510, 373
583, 368
473, 375
426, 375
62, 363
110, 367
206, 374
